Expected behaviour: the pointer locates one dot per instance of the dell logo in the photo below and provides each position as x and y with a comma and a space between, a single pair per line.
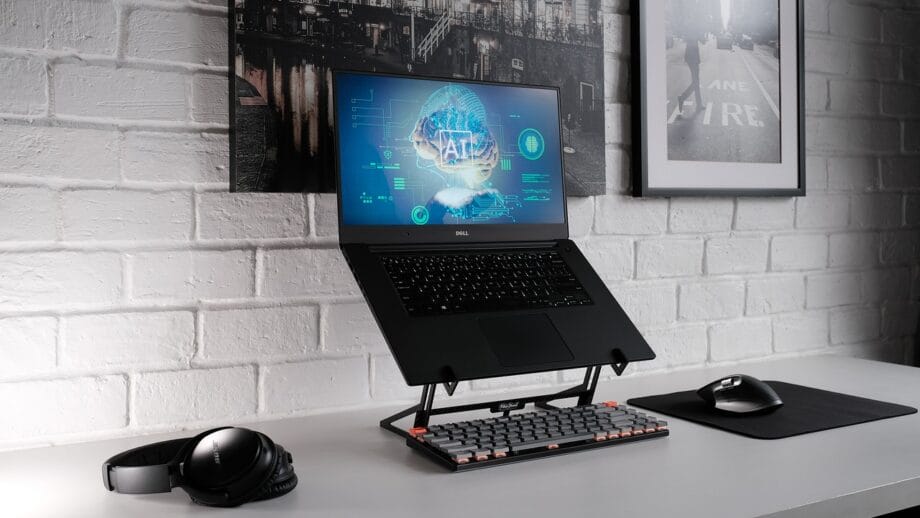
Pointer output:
463, 233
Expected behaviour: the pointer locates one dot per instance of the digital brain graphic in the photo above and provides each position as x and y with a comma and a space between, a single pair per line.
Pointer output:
451, 132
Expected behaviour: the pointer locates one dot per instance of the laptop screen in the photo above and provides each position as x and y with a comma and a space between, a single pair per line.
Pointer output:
422, 152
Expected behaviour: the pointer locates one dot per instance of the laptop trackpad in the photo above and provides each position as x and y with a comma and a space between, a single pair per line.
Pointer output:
524, 340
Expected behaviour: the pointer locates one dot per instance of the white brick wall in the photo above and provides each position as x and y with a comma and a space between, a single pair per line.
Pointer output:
136, 296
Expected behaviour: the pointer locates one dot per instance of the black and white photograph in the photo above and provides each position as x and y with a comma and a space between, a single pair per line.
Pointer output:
723, 80
720, 82
285, 50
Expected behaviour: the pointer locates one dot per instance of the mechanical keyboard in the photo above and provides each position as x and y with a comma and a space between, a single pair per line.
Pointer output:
445, 283
498, 440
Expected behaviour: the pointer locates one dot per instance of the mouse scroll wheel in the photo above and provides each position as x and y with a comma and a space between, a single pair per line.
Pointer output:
726, 382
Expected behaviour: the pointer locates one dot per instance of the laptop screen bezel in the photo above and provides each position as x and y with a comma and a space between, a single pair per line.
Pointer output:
412, 234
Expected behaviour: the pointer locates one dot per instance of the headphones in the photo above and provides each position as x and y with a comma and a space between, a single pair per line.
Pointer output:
223, 467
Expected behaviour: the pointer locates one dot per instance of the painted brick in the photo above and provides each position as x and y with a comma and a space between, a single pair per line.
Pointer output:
815, 173
875, 211
171, 157
816, 16
853, 135
351, 328
854, 325
816, 92
46, 152
293, 387
826, 56
874, 61
740, 339
84, 25
901, 173
701, 215
859, 97
194, 395
765, 214
306, 272
912, 210
617, 128
736, 255
853, 250
23, 82
900, 320
888, 285
210, 101
28, 345
711, 300
822, 211
775, 294
581, 216
122, 93
911, 63
800, 252
612, 258
625, 215
800, 331
900, 100
912, 136
28, 213
853, 174
64, 406
325, 215
617, 170
900, 247
900, 26
166, 338
192, 274
259, 333
616, 34
648, 303
388, 383
676, 346
251, 216
53, 279
112, 215
668, 258
177, 36
521, 380
829, 290
855, 21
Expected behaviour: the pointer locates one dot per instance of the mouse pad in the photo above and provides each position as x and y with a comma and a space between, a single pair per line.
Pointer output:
804, 410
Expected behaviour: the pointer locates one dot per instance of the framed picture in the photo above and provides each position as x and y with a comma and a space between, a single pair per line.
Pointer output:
719, 96
282, 53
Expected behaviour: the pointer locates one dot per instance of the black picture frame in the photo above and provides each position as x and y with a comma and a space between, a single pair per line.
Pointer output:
640, 121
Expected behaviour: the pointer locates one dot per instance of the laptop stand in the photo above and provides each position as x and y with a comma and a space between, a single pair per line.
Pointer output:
424, 409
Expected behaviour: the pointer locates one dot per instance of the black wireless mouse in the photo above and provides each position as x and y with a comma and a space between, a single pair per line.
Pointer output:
740, 394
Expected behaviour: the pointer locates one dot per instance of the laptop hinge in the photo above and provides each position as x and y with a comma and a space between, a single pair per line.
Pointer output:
461, 246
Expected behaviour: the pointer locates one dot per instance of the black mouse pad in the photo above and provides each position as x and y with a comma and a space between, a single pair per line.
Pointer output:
804, 410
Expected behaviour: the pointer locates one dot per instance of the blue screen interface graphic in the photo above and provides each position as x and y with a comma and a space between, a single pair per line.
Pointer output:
418, 152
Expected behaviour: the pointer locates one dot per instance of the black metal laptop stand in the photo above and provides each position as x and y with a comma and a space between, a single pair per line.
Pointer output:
425, 407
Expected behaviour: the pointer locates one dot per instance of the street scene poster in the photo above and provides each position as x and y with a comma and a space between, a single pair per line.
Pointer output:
285, 51
723, 89
720, 89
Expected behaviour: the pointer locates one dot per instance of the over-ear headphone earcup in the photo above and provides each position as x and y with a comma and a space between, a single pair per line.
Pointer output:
283, 479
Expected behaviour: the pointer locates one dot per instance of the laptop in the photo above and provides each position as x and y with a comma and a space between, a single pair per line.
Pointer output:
452, 218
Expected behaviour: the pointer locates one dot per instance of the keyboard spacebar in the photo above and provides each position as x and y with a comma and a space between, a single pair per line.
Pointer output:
519, 447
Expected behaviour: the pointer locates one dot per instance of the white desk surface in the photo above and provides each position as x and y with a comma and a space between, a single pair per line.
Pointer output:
349, 467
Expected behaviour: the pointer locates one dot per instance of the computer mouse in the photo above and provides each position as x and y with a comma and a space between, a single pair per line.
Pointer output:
740, 394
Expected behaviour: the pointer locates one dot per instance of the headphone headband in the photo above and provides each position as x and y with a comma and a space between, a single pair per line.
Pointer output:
146, 469
153, 468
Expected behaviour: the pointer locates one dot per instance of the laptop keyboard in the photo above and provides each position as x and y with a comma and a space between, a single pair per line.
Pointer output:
447, 283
